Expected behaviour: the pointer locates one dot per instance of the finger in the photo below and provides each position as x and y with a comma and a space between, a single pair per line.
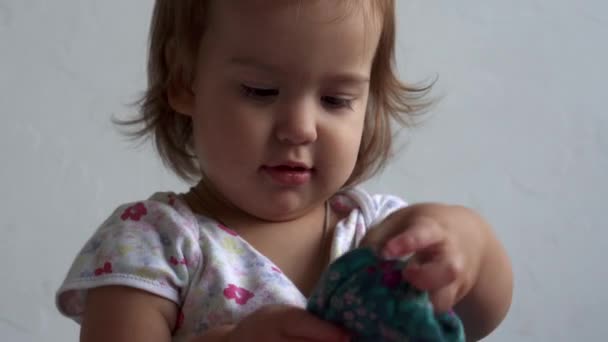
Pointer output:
423, 233
387, 228
300, 324
444, 299
435, 273
394, 224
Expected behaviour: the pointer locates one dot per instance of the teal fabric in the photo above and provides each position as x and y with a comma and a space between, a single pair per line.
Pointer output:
368, 296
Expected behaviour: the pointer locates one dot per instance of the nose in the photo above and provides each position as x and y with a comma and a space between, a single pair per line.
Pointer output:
297, 123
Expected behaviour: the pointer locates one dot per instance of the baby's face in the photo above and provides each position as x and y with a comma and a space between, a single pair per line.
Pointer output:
279, 100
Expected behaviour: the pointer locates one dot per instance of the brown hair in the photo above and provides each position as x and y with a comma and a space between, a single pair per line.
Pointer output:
175, 33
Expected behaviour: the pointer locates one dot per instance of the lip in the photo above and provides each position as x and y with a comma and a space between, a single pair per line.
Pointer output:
289, 174
291, 164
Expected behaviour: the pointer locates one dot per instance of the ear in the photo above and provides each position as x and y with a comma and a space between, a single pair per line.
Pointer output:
181, 98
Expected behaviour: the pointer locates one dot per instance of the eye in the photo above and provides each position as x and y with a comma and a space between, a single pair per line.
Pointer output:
337, 102
260, 93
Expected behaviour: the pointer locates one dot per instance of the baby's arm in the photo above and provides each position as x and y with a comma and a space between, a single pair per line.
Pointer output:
116, 313
458, 260
486, 304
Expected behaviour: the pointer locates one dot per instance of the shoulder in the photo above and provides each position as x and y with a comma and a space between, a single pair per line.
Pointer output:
162, 212
373, 207
151, 245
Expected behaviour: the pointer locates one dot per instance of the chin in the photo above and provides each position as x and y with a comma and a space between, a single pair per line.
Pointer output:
284, 208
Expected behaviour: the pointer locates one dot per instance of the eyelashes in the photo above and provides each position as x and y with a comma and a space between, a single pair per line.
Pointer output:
258, 92
337, 102
266, 95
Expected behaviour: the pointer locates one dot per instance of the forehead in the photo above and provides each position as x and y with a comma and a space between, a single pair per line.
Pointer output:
323, 10
296, 32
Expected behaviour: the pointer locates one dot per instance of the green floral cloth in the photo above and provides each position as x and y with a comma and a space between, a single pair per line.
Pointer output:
367, 295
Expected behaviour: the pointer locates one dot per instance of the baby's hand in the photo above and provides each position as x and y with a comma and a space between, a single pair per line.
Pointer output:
447, 243
276, 323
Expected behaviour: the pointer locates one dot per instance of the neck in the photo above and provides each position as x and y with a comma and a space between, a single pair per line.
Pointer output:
205, 200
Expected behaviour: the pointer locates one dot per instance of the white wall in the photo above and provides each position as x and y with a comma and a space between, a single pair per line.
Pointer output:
521, 135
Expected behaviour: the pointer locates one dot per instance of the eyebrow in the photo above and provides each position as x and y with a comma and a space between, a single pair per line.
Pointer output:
348, 78
339, 78
252, 63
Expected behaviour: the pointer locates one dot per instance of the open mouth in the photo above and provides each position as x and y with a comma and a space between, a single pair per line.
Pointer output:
289, 175
288, 168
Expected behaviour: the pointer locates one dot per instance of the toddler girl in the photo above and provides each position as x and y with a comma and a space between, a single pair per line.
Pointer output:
276, 110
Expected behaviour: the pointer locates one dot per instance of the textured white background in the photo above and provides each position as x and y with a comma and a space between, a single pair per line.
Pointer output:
521, 135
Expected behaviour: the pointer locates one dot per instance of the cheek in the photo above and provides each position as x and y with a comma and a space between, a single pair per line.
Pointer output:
355, 139
214, 114
356, 133
346, 146
220, 136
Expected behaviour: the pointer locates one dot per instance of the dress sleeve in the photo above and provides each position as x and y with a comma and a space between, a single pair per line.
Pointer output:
150, 245
383, 206
373, 208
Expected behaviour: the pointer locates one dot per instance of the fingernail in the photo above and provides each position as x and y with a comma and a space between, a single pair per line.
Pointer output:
390, 250
388, 254
392, 254
406, 257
